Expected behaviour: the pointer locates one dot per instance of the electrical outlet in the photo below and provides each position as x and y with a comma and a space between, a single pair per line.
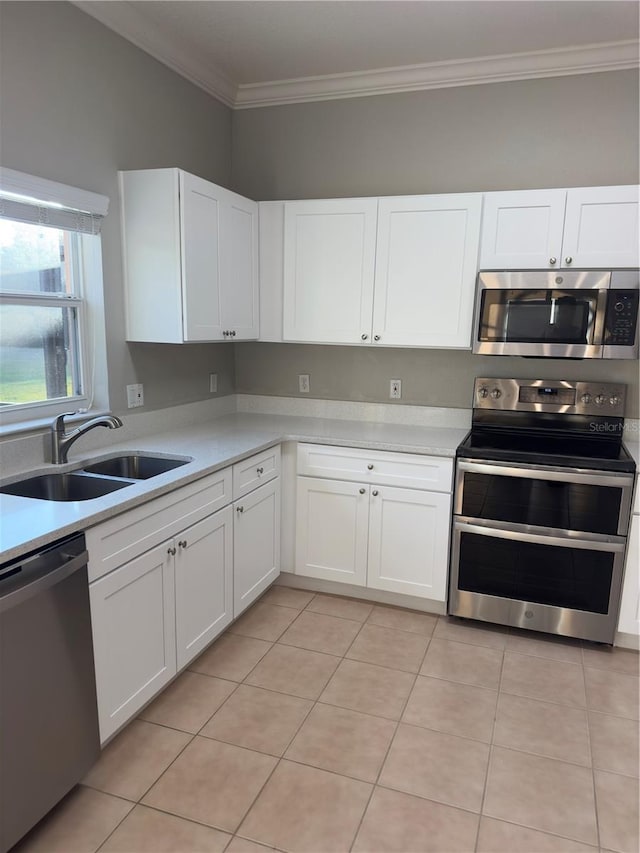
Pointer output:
304, 385
395, 389
135, 395
213, 383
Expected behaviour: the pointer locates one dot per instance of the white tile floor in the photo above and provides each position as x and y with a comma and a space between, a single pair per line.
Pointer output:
324, 724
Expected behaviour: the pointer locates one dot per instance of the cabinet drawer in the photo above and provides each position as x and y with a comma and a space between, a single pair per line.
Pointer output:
255, 471
409, 470
124, 537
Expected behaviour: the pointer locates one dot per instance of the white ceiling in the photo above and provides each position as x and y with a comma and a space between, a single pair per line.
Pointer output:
250, 53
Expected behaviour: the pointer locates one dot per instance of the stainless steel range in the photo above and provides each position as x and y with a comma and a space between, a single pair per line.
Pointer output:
542, 504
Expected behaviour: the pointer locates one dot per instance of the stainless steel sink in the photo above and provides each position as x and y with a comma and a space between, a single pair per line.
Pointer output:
135, 466
63, 487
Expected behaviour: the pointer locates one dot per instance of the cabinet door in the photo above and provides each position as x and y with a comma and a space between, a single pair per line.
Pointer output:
426, 262
204, 583
629, 622
329, 258
332, 520
522, 230
601, 228
409, 541
133, 619
239, 266
271, 219
256, 544
200, 214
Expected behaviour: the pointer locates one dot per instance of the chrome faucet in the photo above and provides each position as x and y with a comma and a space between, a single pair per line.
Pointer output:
61, 441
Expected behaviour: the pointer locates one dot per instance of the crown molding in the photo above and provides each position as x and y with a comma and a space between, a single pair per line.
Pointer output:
586, 59
123, 18
126, 20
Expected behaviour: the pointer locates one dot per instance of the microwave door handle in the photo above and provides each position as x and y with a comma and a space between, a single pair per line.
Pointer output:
601, 310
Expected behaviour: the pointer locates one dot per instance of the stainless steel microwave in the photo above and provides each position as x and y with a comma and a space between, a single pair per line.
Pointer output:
559, 314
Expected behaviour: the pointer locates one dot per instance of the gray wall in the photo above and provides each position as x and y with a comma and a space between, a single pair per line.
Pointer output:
565, 131
78, 103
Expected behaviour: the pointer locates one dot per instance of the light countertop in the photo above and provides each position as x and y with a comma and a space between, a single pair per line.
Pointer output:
27, 524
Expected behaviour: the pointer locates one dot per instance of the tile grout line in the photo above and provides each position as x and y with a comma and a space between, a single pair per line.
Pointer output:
593, 769
391, 740
490, 756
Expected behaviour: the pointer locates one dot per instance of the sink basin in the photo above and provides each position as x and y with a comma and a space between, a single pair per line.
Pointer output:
135, 466
63, 487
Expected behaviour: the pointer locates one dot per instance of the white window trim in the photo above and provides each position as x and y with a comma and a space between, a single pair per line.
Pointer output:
93, 347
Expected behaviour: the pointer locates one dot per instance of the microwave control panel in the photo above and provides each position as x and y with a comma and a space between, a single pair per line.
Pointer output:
621, 320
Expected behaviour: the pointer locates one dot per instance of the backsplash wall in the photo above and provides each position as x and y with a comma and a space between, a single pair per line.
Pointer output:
429, 377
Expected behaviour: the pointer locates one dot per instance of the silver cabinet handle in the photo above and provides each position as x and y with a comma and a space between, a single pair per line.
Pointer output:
553, 261
239, 509
375, 493
568, 260
376, 337
370, 466
362, 491
260, 471
364, 337
171, 552
182, 543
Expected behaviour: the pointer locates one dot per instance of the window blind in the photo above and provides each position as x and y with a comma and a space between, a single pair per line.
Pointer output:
25, 198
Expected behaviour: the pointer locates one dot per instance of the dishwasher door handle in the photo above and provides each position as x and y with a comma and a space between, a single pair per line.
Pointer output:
39, 583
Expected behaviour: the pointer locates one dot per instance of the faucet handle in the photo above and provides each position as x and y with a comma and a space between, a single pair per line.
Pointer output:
58, 423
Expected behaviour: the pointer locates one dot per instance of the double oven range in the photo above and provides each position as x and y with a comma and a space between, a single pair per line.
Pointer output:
542, 502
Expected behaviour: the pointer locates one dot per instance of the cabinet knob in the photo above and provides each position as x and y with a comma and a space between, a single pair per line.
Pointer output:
370, 466
362, 491
260, 471
364, 337
376, 337
182, 543
375, 493
233, 333
568, 260
239, 509
553, 261
171, 552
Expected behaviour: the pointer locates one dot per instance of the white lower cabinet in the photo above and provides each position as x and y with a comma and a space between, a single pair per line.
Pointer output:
203, 583
256, 535
409, 541
331, 530
164, 587
134, 641
367, 533
629, 621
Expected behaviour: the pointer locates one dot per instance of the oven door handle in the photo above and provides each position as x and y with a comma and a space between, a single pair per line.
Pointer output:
548, 472
538, 538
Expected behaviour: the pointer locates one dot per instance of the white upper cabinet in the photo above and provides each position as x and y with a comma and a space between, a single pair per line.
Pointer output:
426, 262
601, 227
389, 271
522, 230
546, 229
190, 259
329, 258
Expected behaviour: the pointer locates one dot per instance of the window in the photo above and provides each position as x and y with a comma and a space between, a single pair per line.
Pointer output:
51, 307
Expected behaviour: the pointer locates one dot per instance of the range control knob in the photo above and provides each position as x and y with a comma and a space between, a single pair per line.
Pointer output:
614, 400
483, 392
600, 399
496, 393
586, 399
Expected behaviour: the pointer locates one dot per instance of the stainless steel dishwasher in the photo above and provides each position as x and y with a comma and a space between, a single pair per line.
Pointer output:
48, 710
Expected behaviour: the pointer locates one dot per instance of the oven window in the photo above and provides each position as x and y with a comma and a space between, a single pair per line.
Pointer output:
538, 316
542, 574
543, 503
